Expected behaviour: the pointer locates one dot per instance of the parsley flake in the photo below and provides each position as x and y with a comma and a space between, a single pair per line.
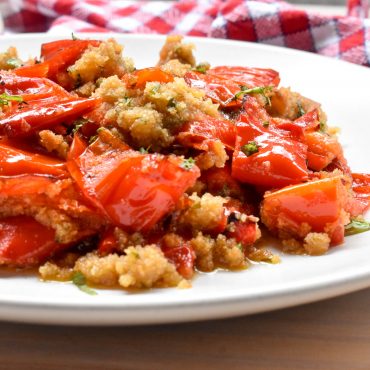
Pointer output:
79, 279
154, 89
322, 127
202, 67
5, 99
250, 148
301, 111
78, 124
356, 227
266, 124
93, 138
143, 150
254, 90
128, 101
171, 103
187, 164
14, 63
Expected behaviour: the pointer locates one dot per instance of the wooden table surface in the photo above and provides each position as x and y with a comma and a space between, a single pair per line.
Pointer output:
328, 335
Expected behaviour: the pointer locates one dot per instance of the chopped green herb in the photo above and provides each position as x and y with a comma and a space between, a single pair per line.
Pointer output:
254, 90
171, 103
266, 124
78, 124
93, 138
240, 246
301, 111
14, 62
356, 227
74, 37
250, 148
128, 101
187, 164
143, 150
5, 99
79, 279
322, 126
154, 89
202, 67
77, 127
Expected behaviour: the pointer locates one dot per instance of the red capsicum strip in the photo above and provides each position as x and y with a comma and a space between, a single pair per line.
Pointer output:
308, 122
153, 74
361, 188
15, 161
317, 203
57, 55
29, 120
183, 258
247, 76
277, 160
199, 132
32, 89
25, 242
219, 90
134, 190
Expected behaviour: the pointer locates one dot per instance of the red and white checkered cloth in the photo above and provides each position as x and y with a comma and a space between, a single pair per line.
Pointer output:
265, 21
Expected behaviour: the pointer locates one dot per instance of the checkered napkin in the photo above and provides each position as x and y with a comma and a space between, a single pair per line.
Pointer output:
265, 21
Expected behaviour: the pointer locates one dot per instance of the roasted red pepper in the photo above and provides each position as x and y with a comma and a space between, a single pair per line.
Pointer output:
24, 242
361, 188
33, 89
220, 182
57, 56
199, 132
244, 232
49, 197
134, 190
33, 70
17, 161
221, 84
308, 122
263, 156
183, 258
323, 150
108, 242
317, 204
247, 76
50, 49
219, 90
31, 119
153, 74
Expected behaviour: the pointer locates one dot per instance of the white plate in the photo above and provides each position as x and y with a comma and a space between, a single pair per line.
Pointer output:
343, 90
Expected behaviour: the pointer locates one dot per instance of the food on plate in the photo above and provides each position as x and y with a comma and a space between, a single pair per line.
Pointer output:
113, 176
